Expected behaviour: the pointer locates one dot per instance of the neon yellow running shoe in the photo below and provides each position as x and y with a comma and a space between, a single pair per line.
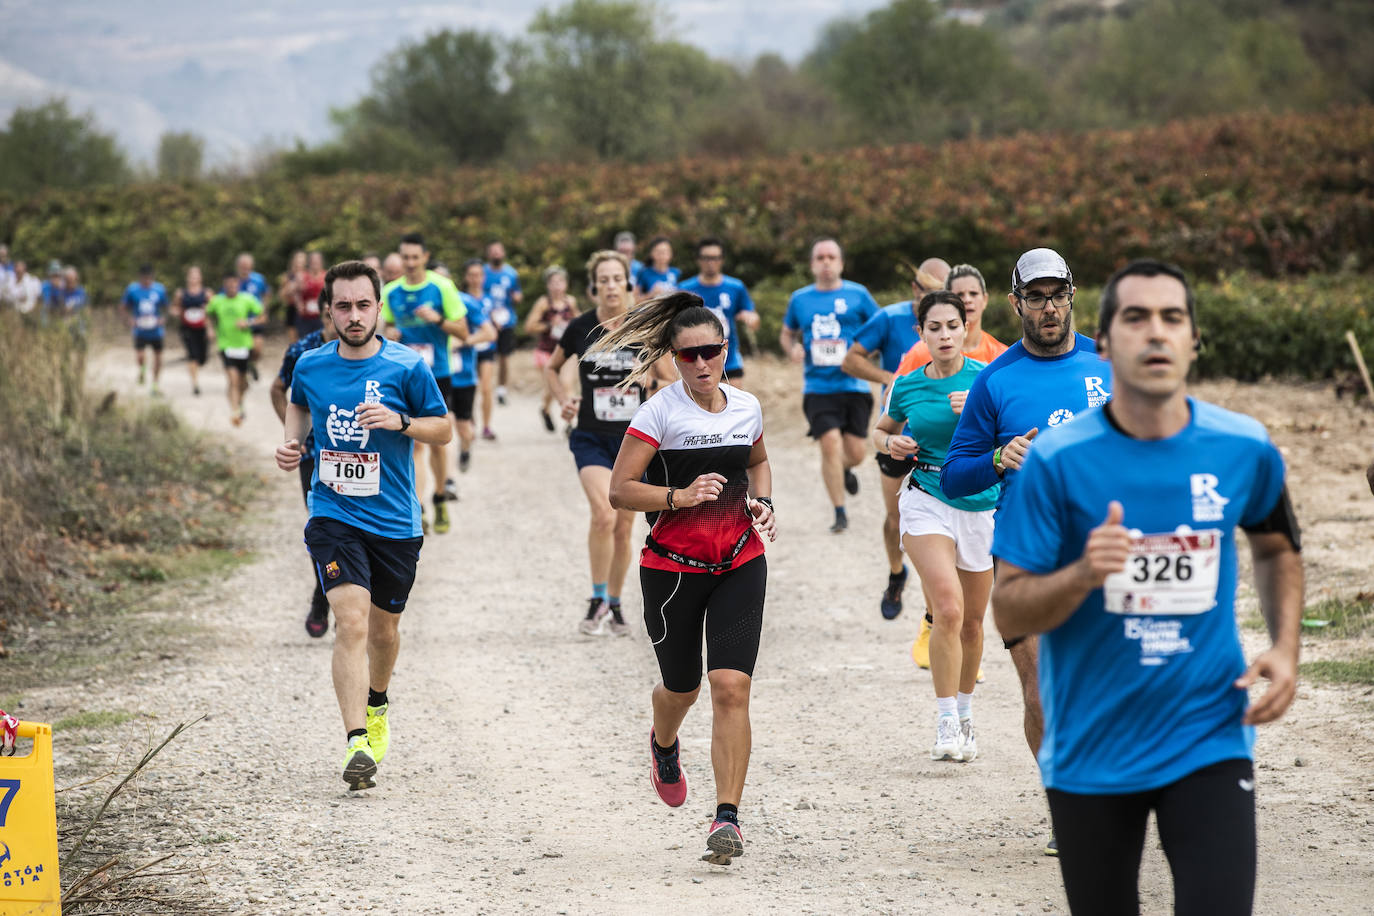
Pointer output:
359, 765
441, 522
920, 649
378, 731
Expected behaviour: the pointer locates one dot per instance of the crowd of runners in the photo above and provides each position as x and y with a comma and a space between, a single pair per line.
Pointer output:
1068, 482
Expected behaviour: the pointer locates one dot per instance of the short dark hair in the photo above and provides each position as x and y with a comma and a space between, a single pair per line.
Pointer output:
349, 270
825, 238
659, 240
144, 270
474, 262
414, 238
709, 242
1141, 267
939, 297
230, 274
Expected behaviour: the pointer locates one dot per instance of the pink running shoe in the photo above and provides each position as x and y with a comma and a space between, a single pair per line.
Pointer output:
665, 772
723, 843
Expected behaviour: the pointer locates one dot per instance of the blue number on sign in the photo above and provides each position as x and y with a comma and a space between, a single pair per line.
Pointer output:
8, 789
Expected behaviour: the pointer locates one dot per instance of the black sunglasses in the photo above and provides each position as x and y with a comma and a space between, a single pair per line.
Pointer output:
707, 352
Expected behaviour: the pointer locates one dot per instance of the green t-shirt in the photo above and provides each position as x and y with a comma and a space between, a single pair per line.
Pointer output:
227, 314
923, 403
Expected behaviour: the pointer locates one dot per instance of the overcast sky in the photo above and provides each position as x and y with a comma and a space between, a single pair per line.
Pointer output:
249, 73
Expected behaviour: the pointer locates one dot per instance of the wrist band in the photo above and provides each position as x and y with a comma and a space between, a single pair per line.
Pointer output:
671, 491
767, 501
997, 458
887, 444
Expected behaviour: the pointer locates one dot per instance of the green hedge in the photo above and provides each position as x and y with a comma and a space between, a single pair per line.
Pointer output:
1273, 194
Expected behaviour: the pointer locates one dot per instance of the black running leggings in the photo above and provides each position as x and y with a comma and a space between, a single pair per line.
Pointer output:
729, 606
1206, 825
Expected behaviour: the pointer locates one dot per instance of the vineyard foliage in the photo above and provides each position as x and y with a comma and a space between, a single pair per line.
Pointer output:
1272, 195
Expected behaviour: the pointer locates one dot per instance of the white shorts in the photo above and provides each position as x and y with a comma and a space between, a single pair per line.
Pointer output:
971, 532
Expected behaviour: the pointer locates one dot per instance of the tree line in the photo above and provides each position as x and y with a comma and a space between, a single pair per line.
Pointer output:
605, 80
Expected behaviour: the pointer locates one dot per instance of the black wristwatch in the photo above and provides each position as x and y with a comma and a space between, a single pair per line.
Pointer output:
405, 422
767, 501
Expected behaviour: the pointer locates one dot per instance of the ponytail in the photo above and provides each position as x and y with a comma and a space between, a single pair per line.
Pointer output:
650, 328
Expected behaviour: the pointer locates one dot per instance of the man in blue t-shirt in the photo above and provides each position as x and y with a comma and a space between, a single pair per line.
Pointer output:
890, 334
820, 325
725, 296
502, 287
422, 310
625, 244
369, 399
317, 618
466, 363
1041, 381
1118, 543
146, 302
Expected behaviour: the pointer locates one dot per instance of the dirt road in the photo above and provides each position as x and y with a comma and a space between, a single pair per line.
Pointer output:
517, 778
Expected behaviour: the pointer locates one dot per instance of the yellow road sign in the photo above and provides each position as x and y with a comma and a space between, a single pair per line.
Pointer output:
28, 829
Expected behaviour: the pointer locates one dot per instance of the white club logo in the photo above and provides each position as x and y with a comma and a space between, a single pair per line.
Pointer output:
1060, 417
343, 427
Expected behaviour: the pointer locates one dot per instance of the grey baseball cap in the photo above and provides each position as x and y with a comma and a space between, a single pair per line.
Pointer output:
1040, 264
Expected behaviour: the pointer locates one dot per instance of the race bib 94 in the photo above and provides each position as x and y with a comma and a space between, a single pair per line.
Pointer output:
1167, 574
615, 406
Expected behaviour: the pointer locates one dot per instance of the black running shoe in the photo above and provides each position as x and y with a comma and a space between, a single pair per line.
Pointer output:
317, 620
1052, 847
464, 461
548, 420
892, 595
841, 524
851, 483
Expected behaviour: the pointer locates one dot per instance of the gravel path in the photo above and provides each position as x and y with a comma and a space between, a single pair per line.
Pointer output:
517, 779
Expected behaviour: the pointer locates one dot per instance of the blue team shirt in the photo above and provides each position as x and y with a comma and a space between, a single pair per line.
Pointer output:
400, 301
726, 299
287, 371
1015, 393
463, 363
1138, 698
890, 333
148, 305
331, 388
500, 286
828, 321
254, 285
654, 282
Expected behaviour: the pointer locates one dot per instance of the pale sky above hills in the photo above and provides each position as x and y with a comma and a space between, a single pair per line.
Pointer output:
250, 73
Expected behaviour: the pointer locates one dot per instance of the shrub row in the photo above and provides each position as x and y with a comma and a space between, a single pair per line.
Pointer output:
1273, 194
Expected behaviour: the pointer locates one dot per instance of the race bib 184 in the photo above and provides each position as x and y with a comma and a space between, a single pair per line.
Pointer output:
1167, 574
828, 351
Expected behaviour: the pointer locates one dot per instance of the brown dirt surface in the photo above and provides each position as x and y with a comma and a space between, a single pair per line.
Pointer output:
517, 777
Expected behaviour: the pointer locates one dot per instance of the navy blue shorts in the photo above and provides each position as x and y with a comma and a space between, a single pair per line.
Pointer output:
594, 449
383, 566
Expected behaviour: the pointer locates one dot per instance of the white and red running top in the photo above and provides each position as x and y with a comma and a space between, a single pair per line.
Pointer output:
692, 441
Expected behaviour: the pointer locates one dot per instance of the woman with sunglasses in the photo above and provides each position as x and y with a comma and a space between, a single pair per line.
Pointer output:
603, 408
949, 540
694, 460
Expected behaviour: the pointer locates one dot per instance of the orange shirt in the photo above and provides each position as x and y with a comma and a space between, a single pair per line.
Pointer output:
988, 349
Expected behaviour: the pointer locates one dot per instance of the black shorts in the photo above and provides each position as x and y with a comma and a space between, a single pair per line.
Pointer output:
383, 566
893, 467
734, 373
505, 341
306, 470
677, 606
196, 344
445, 387
154, 342
1206, 823
847, 411
460, 401
594, 449
232, 362
486, 356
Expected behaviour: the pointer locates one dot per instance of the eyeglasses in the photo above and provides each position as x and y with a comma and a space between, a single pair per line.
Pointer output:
690, 355
1037, 301
710, 257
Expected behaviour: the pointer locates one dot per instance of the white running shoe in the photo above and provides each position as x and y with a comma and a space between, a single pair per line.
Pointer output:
946, 745
968, 739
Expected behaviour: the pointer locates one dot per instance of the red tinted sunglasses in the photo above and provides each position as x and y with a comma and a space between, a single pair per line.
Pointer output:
707, 352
